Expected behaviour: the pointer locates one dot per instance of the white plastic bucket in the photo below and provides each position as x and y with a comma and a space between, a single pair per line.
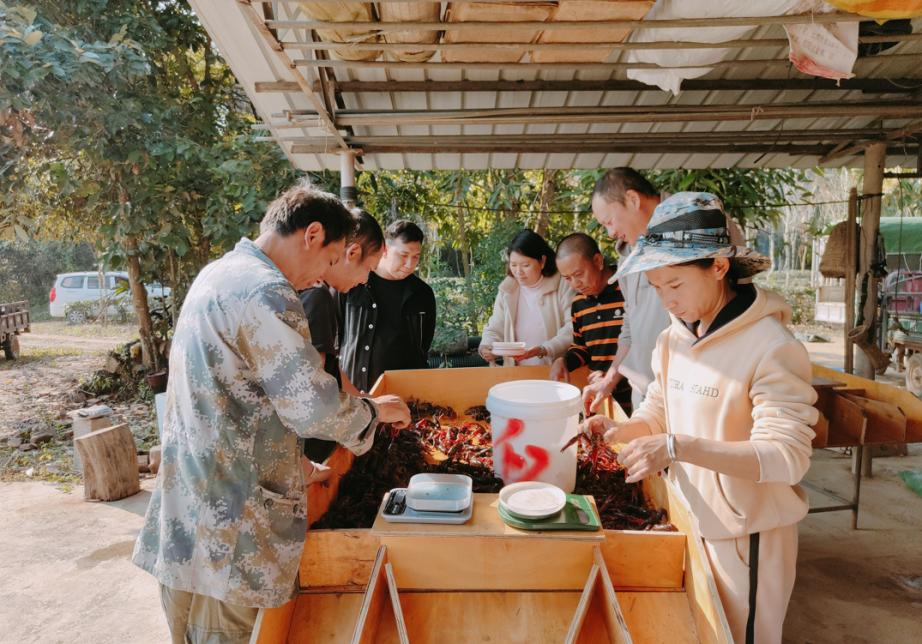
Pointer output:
531, 421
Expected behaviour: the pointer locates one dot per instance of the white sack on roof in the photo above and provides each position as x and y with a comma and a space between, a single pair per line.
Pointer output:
819, 49
827, 50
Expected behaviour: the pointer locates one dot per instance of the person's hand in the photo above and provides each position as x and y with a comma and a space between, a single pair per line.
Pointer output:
644, 456
314, 472
486, 352
533, 352
559, 370
600, 425
595, 393
595, 376
391, 409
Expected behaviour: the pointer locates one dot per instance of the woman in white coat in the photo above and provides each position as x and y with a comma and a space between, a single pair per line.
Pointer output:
532, 305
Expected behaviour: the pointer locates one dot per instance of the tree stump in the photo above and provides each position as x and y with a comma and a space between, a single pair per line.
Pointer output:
110, 463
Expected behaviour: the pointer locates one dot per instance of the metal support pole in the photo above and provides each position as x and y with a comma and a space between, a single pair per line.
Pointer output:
347, 190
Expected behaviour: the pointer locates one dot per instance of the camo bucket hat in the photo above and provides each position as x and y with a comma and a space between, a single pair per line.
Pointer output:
685, 227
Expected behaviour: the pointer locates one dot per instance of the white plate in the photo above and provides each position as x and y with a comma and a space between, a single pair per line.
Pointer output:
508, 353
508, 346
532, 499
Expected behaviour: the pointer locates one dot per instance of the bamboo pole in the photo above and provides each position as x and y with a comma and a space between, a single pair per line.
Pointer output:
568, 46
723, 64
891, 135
609, 114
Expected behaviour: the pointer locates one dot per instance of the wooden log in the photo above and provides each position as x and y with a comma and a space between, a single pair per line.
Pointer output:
110, 463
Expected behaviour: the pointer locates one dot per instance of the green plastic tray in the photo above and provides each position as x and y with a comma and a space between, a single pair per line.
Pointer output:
577, 514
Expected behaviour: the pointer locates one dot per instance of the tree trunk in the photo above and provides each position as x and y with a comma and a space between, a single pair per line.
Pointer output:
462, 226
548, 189
150, 357
110, 463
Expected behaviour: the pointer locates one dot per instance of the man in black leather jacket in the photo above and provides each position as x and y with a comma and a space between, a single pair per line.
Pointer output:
389, 322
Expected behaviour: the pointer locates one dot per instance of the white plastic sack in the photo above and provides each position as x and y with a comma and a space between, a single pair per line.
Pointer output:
826, 50
670, 78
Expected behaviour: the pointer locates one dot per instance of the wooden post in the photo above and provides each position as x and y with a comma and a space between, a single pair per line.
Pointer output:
874, 158
110, 463
850, 272
347, 178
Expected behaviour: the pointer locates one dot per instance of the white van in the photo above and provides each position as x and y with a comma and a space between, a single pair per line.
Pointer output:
82, 287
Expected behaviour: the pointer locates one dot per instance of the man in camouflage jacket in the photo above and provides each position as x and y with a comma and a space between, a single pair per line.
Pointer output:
227, 520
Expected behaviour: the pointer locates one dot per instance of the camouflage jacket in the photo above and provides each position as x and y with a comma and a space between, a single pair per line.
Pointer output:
228, 516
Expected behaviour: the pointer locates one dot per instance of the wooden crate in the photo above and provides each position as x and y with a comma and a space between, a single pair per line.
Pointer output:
427, 583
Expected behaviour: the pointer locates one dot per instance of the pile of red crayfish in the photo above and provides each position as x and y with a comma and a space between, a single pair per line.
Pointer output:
439, 441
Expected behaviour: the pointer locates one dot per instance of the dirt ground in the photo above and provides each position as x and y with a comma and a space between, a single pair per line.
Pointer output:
66, 574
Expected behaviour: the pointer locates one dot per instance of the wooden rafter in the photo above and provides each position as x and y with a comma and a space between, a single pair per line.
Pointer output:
858, 147
325, 119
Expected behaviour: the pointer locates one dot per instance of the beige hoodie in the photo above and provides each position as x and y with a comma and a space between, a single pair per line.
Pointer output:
747, 381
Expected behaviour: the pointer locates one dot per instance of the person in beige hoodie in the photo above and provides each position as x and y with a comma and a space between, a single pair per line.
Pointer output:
729, 411
532, 305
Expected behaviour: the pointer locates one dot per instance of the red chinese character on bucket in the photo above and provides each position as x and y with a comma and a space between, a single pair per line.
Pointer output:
513, 462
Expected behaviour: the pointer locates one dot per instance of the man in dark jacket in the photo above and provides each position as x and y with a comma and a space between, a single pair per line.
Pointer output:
389, 322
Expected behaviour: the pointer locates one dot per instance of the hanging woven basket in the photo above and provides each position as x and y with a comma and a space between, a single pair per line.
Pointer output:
835, 256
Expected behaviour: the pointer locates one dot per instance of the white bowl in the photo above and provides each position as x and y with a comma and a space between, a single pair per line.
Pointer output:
532, 499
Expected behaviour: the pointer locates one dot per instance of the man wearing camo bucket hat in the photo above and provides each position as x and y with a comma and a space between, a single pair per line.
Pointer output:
729, 411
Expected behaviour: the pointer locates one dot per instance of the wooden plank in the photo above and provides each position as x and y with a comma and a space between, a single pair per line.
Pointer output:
488, 563
464, 617
700, 587
614, 618
885, 422
647, 560
341, 559
457, 388
380, 618
579, 618
821, 429
847, 423
485, 522
321, 495
819, 382
907, 403
325, 617
273, 625
396, 611
658, 617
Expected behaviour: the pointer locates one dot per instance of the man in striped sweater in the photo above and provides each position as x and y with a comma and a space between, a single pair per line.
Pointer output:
597, 313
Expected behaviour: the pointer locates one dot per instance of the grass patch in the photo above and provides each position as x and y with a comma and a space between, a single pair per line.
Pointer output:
36, 355
124, 332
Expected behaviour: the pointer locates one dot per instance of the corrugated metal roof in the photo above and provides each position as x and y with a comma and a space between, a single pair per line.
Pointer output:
554, 134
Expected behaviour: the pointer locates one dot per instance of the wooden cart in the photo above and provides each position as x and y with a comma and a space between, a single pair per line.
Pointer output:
14, 319
484, 581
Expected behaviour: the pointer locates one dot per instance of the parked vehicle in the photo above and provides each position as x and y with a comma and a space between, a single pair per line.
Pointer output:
14, 319
70, 288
